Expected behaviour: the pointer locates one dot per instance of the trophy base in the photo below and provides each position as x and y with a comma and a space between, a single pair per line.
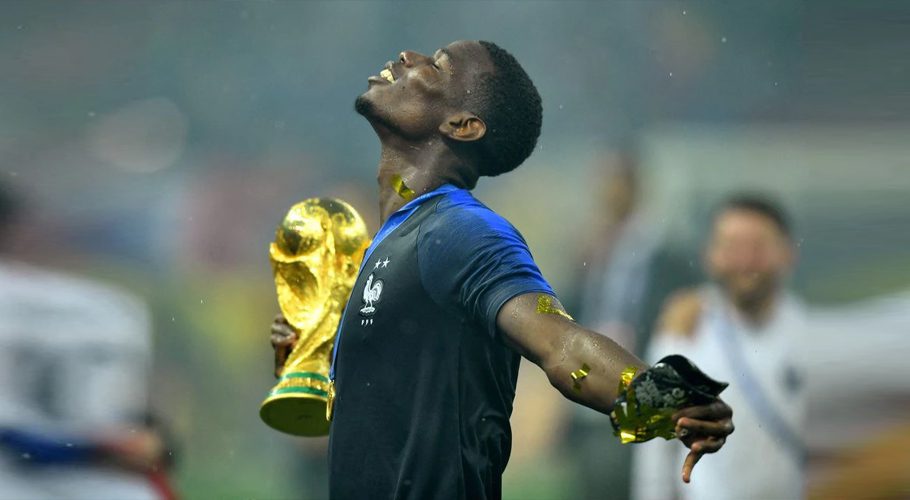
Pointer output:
299, 414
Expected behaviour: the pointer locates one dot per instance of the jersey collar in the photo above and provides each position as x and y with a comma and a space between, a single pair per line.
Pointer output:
391, 224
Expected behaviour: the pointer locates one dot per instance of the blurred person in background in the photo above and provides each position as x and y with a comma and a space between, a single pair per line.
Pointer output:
744, 328
74, 359
627, 274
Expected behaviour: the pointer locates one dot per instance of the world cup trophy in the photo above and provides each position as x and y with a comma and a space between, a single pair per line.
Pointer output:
315, 258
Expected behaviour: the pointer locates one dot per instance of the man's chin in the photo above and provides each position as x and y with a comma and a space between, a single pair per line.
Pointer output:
748, 294
364, 106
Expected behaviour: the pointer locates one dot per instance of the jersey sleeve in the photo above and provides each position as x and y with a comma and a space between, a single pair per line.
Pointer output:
473, 260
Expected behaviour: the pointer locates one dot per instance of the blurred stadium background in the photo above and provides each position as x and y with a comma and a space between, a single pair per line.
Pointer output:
155, 145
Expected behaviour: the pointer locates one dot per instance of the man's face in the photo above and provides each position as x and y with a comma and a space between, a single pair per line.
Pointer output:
415, 94
748, 255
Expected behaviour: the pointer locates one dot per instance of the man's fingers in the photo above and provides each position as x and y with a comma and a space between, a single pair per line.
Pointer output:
711, 445
691, 459
697, 450
283, 329
283, 337
281, 357
703, 445
717, 410
690, 426
283, 340
704, 430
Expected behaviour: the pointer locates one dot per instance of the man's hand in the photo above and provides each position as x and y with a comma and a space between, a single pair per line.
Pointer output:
283, 339
703, 429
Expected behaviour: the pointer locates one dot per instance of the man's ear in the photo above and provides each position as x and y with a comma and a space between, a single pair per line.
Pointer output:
463, 126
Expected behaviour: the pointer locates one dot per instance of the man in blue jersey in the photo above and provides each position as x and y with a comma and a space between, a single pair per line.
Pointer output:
449, 297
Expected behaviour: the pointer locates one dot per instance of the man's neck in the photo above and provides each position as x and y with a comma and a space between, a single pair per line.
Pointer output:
421, 167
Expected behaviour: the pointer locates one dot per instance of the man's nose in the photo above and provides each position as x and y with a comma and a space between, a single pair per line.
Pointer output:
410, 58
751, 258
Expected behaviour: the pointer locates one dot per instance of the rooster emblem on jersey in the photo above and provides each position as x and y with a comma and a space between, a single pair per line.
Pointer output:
371, 292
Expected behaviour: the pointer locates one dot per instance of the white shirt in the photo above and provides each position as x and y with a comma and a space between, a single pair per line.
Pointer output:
74, 358
755, 462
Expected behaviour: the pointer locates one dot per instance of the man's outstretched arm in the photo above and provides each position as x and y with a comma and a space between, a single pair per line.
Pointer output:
534, 325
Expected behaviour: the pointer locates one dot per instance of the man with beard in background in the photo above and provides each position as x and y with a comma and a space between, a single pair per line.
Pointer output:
744, 328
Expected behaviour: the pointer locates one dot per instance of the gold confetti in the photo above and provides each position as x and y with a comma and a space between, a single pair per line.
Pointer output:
626, 377
330, 402
579, 374
635, 423
545, 306
402, 189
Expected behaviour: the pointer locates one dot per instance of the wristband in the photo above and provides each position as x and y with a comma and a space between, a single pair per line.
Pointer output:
648, 400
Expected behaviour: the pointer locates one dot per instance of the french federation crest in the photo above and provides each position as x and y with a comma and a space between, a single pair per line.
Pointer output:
372, 291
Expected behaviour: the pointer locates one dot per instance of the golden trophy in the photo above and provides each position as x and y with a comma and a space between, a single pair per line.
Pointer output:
315, 258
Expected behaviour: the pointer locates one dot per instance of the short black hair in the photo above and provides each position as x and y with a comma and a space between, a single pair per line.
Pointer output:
760, 204
508, 102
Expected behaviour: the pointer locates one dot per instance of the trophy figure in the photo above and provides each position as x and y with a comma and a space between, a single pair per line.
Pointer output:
315, 258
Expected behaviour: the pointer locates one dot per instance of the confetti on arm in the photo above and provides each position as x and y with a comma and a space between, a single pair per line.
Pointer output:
578, 375
545, 306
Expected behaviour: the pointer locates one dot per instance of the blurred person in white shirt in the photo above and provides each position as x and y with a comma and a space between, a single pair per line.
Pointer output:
74, 360
743, 328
